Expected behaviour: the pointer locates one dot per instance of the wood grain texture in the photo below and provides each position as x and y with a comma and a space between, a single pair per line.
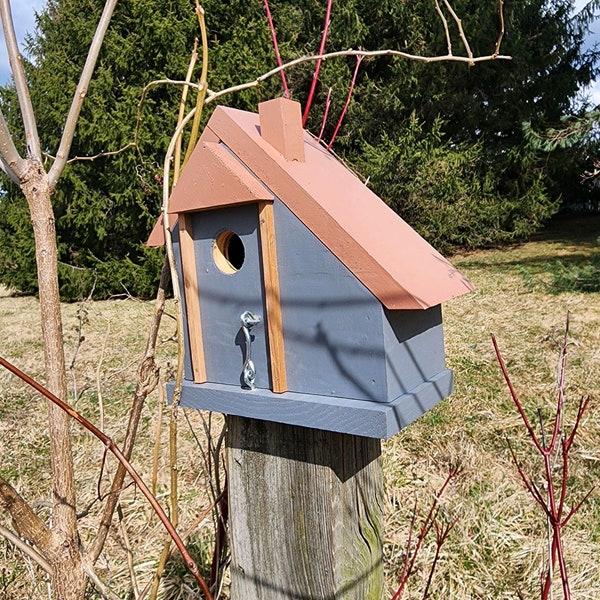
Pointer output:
192, 298
305, 513
272, 297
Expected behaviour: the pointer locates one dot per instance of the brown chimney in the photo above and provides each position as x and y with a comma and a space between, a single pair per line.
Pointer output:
281, 126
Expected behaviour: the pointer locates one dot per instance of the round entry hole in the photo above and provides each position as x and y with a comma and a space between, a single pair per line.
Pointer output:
228, 252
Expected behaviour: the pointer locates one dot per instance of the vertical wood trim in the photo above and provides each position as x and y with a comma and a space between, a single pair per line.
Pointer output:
192, 299
272, 297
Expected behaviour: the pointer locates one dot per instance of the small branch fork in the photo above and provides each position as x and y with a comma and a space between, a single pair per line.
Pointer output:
442, 531
111, 447
321, 56
559, 445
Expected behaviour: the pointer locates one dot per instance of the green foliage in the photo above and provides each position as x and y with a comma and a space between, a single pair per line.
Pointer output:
442, 190
561, 276
442, 143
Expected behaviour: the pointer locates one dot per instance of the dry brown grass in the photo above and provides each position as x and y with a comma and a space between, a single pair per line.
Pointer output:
498, 545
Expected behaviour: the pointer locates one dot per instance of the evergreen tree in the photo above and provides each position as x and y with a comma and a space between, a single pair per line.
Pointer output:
442, 143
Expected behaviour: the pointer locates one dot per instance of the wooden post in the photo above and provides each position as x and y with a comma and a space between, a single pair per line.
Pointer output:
305, 513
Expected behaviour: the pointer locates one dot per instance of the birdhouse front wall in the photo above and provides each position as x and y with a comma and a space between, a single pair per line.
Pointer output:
339, 340
230, 282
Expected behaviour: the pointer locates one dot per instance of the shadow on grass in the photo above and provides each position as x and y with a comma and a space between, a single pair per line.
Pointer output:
570, 264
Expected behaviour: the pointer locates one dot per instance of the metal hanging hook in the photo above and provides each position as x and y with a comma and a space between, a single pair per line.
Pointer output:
248, 321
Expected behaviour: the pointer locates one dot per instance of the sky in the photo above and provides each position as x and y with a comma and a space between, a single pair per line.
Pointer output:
23, 14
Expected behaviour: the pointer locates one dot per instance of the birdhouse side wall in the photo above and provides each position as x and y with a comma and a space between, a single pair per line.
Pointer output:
414, 348
332, 324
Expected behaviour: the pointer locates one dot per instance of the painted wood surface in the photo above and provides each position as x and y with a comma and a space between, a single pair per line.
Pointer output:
391, 259
305, 513
332, 323
226, 295
281, 126
192, 298
216, 179
272, 297
346, 415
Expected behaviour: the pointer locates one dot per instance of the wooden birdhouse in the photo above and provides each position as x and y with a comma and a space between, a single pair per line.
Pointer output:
307, 300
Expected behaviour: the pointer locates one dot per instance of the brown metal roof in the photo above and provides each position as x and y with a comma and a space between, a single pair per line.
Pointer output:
394, 262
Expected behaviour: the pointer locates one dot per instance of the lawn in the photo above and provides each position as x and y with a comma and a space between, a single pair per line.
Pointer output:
498, 545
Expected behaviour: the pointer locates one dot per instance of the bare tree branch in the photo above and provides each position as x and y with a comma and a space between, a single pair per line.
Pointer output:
461, 31
25, 548
16, 65
25, 521
445, 24
501, 34
114, 450
80, 93
104, 591
147, 380
211, 96
13, 165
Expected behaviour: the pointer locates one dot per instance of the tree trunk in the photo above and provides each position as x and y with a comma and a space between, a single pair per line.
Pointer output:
305, 513
68, 577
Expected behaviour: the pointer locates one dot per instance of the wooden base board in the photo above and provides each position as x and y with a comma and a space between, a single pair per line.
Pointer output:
345, 415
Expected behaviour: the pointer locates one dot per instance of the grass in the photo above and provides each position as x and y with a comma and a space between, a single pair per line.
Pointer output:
498, 545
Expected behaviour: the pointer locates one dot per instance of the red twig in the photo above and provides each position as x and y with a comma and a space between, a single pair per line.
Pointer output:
325, 113
345, 109
429, 523
315, 78
286, 91
554, 504
111, 446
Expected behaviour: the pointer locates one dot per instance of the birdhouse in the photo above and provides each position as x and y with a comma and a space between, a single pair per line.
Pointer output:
306, 300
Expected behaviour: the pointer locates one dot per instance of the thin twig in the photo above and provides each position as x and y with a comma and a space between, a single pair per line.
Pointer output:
211, 95
325, 113
461, 31
184, 93
286, 91
25, 548
156, 450
100, 586
202, 87
96, 156
445, 24
113, 448
501, 34
347, 103
146, 381
315, 77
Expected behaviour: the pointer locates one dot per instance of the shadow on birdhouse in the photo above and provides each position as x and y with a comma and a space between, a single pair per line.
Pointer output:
307, 300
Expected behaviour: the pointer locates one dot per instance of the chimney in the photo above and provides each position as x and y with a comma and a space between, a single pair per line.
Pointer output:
281, 126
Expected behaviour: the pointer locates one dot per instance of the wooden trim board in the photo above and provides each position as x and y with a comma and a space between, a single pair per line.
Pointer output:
272, 297
192, 299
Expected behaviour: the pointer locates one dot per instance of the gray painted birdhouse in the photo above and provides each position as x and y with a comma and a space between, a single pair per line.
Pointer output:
307, 300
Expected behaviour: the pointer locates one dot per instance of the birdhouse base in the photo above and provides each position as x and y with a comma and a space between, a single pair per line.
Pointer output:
345, 415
